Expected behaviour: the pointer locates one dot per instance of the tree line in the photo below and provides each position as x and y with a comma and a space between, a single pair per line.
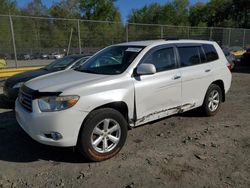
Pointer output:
46, 33
214, 13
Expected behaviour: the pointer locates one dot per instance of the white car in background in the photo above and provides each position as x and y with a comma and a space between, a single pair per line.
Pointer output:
55, 55
122, 86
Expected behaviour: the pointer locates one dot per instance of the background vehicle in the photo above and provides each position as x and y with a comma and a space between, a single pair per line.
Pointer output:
28, 57
25, 57
5, 56
230, 58
237, 51
36, 55
124, 85
246, 57
55, 55
44, 56
12, 84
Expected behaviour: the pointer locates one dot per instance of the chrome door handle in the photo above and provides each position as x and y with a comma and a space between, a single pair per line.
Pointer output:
207, 70
176, 77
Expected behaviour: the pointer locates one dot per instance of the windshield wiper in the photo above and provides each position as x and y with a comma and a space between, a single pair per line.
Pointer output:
44, 68
86, 71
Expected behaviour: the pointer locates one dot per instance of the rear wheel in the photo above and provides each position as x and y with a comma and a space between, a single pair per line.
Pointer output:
103, 134
212, 100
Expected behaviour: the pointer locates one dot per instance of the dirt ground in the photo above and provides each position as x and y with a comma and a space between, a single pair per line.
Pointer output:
185, 150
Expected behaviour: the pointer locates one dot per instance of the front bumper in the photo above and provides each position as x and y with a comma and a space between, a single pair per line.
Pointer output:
37, 124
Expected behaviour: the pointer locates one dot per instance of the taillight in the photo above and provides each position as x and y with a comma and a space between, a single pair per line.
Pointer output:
229, 66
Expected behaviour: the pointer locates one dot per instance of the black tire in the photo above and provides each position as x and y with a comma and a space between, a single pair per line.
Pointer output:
205, 107
86, 134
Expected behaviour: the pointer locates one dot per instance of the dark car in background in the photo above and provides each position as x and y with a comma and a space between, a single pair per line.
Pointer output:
12, 84
5, 56
25, 57
238, 52
246, 57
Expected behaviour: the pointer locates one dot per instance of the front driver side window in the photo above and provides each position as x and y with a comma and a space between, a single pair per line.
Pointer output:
163, 59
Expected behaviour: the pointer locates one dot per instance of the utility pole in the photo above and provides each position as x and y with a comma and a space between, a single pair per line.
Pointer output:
70, 37
13, 39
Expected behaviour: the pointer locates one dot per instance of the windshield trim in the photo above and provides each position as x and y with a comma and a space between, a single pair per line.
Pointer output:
130, 48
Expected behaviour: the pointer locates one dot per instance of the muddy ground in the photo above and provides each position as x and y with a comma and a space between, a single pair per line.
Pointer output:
185, 150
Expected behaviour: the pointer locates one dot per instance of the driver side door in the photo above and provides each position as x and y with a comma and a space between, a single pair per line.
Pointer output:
158, 95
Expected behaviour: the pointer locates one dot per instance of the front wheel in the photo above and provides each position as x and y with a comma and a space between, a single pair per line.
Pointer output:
103, 134
212, 100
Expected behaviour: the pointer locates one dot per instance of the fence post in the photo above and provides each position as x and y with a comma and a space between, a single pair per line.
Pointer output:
229, 37
244, 37
211, 34
70, 37
13, 39
127, 32
79, 36
161, 31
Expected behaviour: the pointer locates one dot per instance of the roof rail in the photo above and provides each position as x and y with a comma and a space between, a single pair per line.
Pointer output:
190, 38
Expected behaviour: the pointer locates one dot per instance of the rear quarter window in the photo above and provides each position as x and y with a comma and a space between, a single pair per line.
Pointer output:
210, 51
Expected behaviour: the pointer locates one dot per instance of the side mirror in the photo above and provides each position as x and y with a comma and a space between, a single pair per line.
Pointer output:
145, 69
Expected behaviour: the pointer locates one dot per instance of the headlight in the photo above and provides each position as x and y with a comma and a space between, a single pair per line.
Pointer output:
18, 85
53, 103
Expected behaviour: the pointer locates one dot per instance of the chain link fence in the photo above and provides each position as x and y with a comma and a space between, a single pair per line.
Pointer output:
34, 41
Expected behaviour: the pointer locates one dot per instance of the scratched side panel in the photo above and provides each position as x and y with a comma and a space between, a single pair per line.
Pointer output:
164, 113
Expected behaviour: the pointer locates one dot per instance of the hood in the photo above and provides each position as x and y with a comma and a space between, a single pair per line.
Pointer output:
63, 80
25, 76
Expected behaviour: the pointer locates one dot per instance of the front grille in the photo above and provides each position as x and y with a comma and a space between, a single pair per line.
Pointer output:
25, 100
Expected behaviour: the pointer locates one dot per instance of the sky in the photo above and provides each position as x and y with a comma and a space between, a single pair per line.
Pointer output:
125, 6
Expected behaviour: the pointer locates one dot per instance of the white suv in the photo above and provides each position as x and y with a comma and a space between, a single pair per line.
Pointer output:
122, 86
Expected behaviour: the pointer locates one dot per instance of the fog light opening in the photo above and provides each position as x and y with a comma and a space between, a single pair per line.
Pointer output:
54, 136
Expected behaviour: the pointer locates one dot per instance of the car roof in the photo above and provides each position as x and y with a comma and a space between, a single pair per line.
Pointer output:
163, 41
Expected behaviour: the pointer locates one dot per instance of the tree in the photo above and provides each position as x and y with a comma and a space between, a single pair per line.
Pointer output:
172, 13
219, 13
100, 10
66, 9
148, 14
100, 34
36, 8
197, 15
241, 13
180, 12
175, 12
8, 7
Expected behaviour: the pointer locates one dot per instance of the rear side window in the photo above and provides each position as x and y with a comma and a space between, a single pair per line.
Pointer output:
210, 52
191, 55
163, 59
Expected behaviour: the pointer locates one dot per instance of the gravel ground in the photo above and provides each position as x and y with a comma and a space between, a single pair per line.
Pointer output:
185, 150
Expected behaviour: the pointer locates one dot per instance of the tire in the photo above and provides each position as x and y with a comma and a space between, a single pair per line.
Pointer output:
96, 140
211, 105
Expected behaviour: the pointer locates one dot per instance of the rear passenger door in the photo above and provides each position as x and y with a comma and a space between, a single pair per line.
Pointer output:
159, 94
196, 74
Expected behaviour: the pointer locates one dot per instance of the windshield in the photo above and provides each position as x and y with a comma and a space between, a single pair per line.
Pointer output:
61, 64
112, 60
